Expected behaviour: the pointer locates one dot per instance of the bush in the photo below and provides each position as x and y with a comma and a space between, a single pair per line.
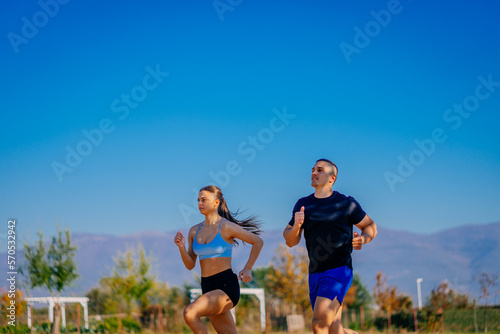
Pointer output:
45, 327
399, 321
354, 326
131, 325
369, 323
108, 325
18, 329
403, 320
380, 323
111, 325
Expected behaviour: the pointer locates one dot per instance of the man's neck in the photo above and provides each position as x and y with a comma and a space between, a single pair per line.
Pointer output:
323, 192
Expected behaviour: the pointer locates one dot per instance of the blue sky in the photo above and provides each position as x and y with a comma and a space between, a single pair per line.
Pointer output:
403, 95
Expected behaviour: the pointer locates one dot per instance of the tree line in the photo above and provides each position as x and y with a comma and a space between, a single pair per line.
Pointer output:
131, 298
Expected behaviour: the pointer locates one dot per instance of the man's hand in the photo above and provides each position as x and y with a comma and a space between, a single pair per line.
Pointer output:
292, 234
299, 217
357, 241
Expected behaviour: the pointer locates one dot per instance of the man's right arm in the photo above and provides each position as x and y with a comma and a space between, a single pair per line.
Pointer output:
292, 234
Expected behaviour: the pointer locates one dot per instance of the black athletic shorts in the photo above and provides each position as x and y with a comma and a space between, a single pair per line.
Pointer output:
227, 281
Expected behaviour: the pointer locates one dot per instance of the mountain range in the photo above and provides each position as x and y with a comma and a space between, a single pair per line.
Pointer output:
456, 255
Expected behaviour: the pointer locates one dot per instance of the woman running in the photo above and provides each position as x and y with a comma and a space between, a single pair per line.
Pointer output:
212, 240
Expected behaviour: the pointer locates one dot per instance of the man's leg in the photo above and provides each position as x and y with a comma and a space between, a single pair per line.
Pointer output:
337, 327
328, 290
326, 312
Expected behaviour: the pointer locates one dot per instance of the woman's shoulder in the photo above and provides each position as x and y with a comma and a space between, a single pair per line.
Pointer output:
228, 229
227, 224
194, 228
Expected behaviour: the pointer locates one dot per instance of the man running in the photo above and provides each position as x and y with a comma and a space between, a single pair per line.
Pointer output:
327, 218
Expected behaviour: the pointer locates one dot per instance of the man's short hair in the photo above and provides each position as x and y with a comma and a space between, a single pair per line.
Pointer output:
335, 170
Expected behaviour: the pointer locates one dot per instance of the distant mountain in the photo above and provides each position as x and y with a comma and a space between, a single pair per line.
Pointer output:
456, 255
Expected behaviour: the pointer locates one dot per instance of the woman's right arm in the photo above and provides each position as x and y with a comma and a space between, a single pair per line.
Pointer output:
188, 256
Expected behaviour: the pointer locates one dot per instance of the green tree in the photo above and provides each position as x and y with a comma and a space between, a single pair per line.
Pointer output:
53, 268
99, 299
259, 279
358, 295
131, 278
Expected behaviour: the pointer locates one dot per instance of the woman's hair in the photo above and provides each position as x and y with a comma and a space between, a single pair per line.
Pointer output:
250, 224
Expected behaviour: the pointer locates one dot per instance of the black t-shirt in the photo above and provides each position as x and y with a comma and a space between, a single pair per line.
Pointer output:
328, 228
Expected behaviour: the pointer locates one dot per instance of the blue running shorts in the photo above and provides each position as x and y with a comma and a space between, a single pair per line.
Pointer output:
331, 284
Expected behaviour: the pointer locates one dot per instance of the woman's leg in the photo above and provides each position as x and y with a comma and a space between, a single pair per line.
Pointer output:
223, 323
212, 303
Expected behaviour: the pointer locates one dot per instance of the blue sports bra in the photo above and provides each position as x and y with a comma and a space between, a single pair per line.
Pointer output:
218, 247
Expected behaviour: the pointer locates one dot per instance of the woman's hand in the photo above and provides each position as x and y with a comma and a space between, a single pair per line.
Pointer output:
179, 240
245, 276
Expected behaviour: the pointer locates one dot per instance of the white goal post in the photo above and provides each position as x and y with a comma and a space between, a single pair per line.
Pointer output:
52, 301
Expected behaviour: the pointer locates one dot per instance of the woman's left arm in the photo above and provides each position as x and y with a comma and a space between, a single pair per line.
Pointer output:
236, 231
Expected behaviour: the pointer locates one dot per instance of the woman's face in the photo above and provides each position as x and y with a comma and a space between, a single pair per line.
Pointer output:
207, 202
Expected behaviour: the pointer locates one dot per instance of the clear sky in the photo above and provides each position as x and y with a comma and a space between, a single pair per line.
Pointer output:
113, 112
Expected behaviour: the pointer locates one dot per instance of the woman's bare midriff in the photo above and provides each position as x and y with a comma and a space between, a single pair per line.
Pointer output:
214, 265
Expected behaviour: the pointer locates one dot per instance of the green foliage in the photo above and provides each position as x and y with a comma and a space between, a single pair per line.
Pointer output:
380, 323
358, 295
429, 320
363, 295
399, 321
171, 301
354, 326
72, 329
259, 279
369, 323
44, 327
18, 329
130, 325
462, 320
99, 301
130, 278
111, 325
53, 268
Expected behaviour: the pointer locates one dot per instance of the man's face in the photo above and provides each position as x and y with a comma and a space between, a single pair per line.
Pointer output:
321, 175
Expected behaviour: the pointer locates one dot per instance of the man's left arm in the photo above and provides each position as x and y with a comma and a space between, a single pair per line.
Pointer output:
368, 232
